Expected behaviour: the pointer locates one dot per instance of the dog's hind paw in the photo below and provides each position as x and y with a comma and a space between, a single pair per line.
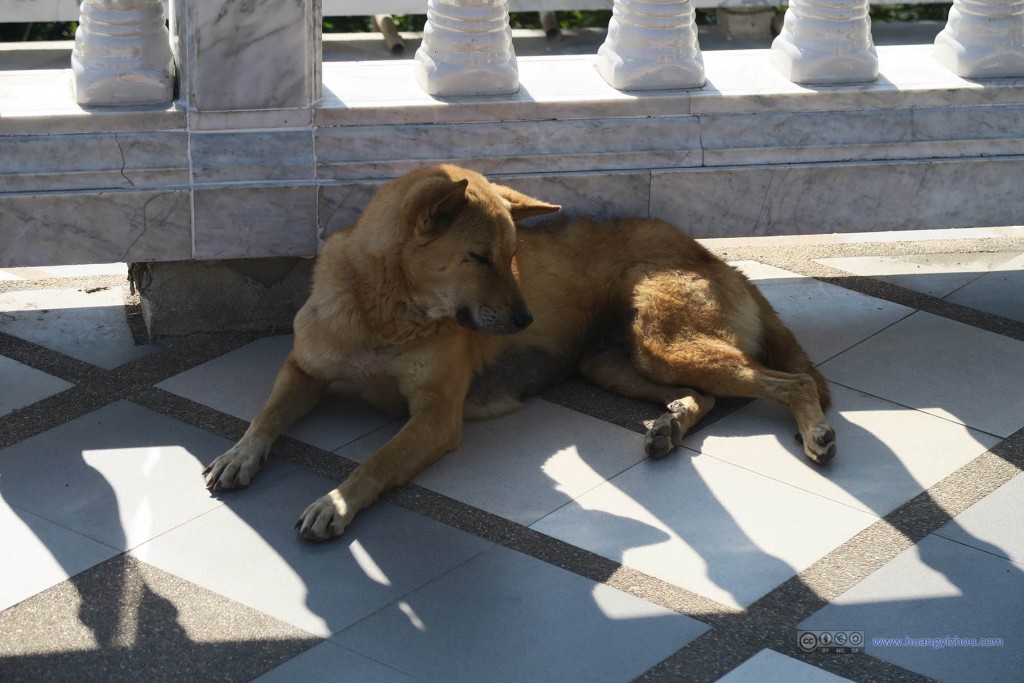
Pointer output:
326, 518
664, 436
820, 443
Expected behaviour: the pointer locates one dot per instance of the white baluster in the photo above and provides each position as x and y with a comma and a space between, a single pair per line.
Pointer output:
651, 45
983, 39
826, 41
122, 54
467, 49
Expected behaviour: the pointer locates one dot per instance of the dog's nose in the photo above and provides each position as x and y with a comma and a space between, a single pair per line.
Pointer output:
522, 318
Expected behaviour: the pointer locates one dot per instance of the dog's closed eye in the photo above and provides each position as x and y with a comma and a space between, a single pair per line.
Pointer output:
482, 259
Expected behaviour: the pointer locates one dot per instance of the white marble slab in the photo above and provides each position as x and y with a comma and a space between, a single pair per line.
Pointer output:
239, 156
244, 222
510, 147
35, 163
840, 197
70, 228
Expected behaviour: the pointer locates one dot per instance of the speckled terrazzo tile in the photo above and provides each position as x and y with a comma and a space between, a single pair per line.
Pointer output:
126, 621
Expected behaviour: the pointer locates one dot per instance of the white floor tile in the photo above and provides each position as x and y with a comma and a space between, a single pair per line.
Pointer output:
24, 385
938, 275
939, 590
331, 663
706, 525
524, 465
39, 554
121, 474
886, 453
826, 319
249, 551
239, 383
998, 292
994, 523
768, 666
89, 326
942, 367
504, 616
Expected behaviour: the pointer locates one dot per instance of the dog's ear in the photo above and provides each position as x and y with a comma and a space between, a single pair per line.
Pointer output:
433, 204
523, 206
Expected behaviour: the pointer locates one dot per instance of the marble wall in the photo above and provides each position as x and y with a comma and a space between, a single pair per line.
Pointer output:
748, 154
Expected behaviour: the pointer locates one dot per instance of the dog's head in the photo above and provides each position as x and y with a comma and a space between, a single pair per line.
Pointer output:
459, 247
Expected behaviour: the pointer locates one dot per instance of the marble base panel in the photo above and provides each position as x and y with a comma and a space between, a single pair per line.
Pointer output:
249, 222
510, 147
852, 197
99, 227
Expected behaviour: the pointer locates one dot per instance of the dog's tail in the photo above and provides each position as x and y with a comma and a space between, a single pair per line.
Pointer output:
783, 352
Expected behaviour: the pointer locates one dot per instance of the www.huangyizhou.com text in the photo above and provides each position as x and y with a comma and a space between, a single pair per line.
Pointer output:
936, 643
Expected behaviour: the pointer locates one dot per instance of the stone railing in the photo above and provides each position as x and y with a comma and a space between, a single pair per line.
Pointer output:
263, 148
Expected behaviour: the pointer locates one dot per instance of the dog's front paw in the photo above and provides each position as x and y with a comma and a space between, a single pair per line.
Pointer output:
234, 469
325, 518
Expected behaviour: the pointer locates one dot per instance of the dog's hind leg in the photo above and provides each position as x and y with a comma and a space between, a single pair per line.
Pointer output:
719, 368
611, 369
294, 394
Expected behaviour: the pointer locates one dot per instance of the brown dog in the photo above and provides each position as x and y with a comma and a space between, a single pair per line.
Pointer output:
414, 307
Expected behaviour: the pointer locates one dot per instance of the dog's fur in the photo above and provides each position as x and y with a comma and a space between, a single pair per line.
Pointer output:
414, 307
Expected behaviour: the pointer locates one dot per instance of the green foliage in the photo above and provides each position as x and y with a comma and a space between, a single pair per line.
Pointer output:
909, 12
53, 30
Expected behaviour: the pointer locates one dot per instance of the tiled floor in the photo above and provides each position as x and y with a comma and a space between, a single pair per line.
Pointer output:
547, 548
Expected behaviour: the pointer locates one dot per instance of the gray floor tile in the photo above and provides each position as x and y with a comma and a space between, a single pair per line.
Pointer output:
39, 554
24, 385
811, 309
994, 523
998, 292
938, 275
331, 663
886, 455
248, 551
124, 620
504, 616
938, 589
768, 666
239, 383
88, 326
706, 525
121, 474
524, 465
942, 367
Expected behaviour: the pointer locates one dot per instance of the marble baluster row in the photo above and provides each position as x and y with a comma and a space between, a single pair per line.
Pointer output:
122, 52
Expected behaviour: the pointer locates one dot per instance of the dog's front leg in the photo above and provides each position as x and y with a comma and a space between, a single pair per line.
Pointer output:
294, 394
433, 429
